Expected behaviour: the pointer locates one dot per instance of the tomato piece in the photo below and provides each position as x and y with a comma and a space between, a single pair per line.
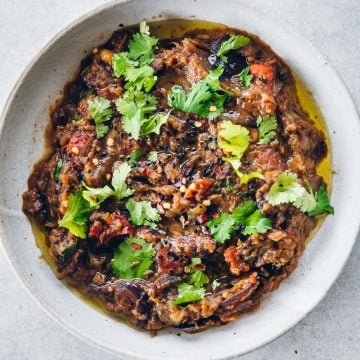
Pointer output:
262, 71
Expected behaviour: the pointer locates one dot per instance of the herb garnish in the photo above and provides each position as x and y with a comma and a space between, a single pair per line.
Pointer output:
133, 258
246, 216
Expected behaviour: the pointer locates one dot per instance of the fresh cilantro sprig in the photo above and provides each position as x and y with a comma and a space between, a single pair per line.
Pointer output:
245, 216
323, 205
133, 258
100, 111
77, 214
245, 77
134, 157
233, 139
192, 289
137, 106
120, 189
142, 45
206, 98
142, 213
233, 43
267, 126
188, 293
286, 190
153, 156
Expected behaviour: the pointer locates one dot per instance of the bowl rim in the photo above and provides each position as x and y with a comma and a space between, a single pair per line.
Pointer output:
336, 78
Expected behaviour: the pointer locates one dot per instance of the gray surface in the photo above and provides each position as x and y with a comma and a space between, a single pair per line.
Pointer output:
331, 331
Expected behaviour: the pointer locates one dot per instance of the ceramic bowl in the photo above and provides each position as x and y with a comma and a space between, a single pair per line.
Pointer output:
21, 144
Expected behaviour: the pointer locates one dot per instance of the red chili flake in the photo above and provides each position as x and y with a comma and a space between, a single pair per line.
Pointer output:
135, 246
205, 230
202, 218
200, 267
146, 171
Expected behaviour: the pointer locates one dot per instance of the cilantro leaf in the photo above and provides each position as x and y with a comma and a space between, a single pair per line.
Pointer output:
222, 228
245, 215
95, 196
142, 213
192, 289
286, 189
267, 126
323, 205
76, 215
206, 98
233, 139
256, 223
100, 111
245, 77
133, 258
118, 182
142, 45
121, 63
306, 202
244, 178
134, 157
153, 156
57, 169
198, 278
188, 293
153, 123
233, 43
215, 284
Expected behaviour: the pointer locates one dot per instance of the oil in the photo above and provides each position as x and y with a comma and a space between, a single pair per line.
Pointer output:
173, 29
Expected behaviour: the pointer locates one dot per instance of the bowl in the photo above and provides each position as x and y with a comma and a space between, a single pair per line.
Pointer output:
22, 141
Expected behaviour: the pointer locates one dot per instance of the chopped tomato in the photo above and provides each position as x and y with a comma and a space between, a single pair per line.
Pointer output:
262, 71
198, 189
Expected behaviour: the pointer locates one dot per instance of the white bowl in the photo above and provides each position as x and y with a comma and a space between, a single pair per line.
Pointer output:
21, 144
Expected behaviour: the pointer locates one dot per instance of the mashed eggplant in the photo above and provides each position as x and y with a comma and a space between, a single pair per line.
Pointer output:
181, 182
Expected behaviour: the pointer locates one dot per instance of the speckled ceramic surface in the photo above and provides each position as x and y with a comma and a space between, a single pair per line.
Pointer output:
21, 143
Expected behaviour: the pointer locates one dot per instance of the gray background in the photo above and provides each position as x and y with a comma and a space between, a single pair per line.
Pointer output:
331, 331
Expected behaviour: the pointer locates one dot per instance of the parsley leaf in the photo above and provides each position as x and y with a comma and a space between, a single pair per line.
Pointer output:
57, 169
267, 126
245, 215
233, 43
142, 213
188, 293
245, 77
323, 205
142, 45
133, 258
100, 111
206, 98
153, 156
134, 157
95, 196
233, 139
76, 215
